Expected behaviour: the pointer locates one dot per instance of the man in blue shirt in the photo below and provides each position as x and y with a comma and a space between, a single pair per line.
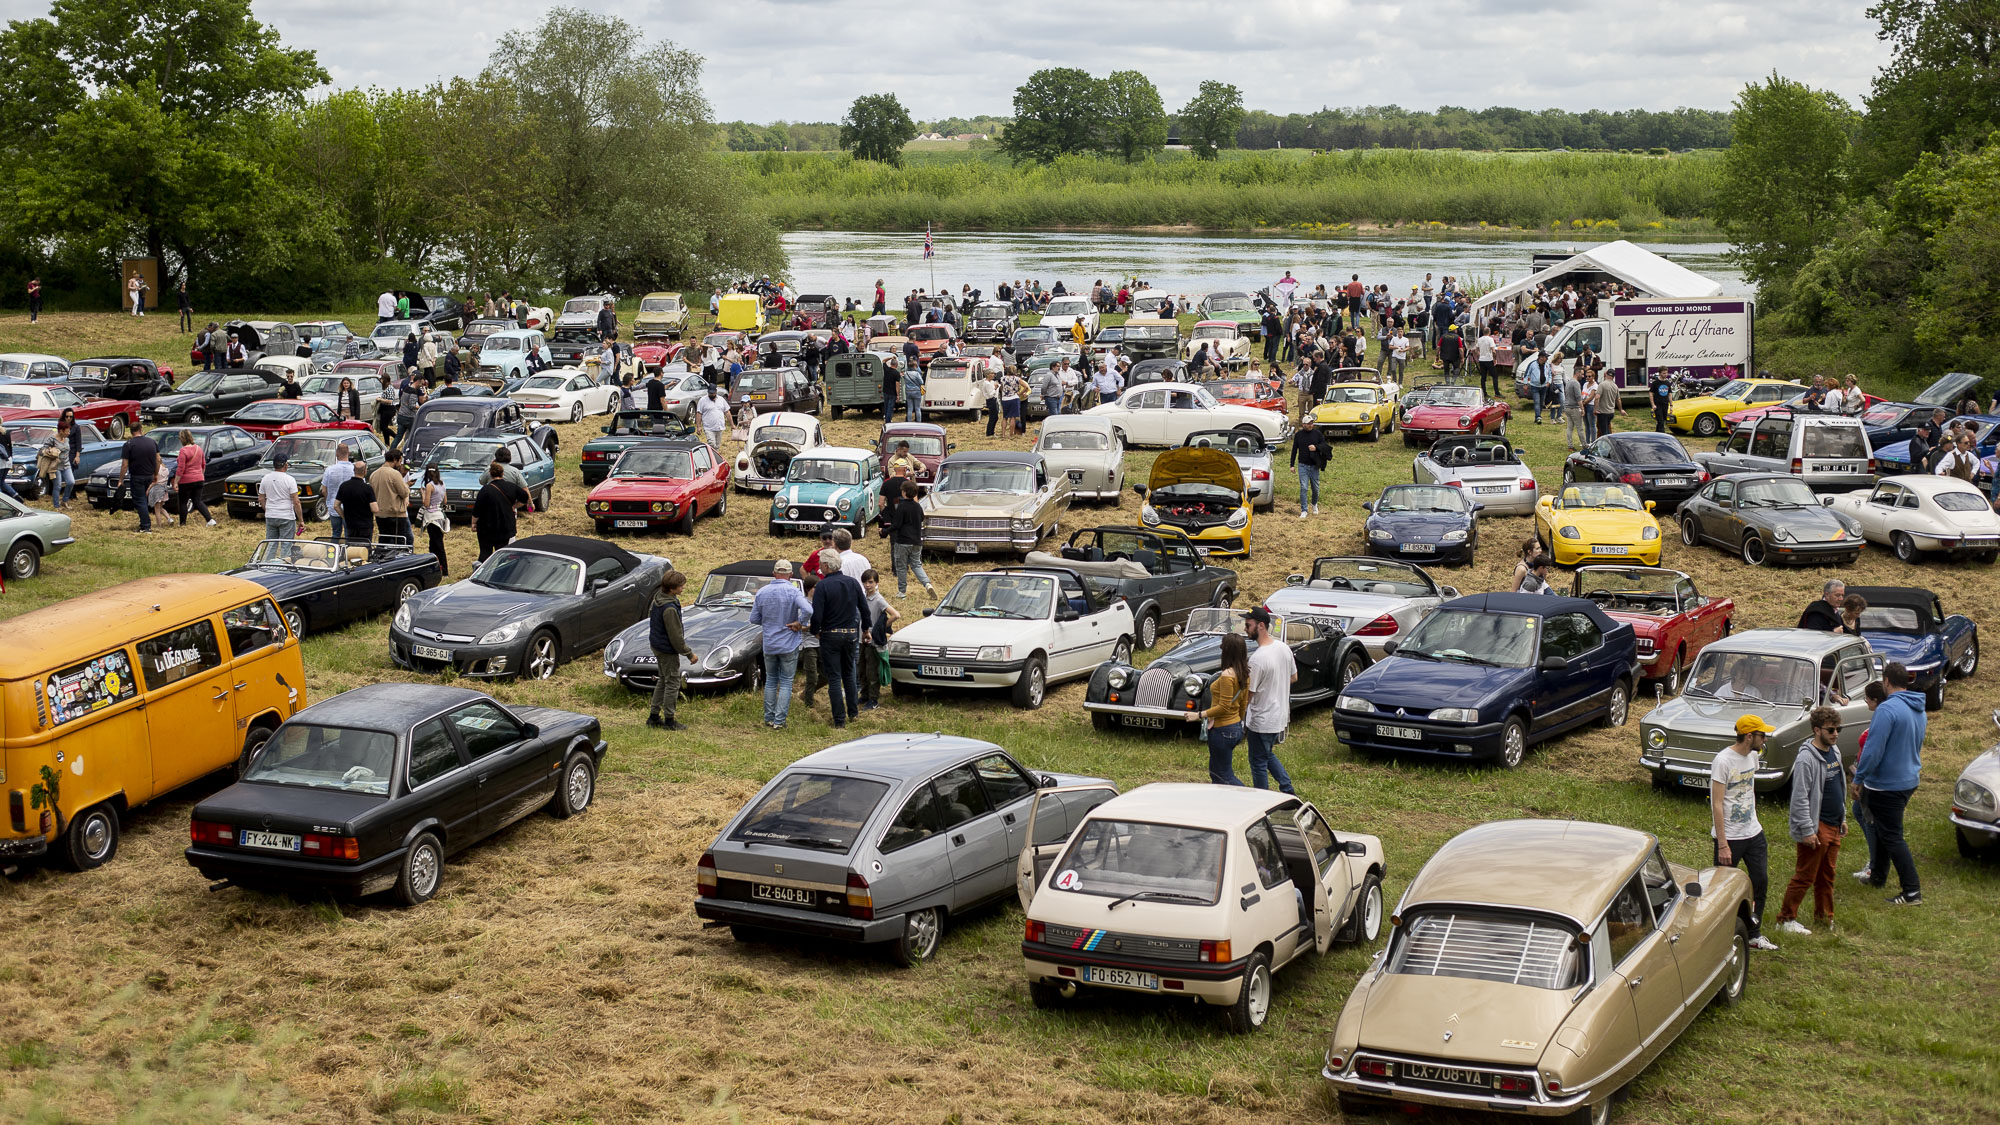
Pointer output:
783, 614
1886, 777
330, 480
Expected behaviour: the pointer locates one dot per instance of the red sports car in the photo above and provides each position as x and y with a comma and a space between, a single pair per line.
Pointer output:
114, 416
931, 340
1744, 417
269, 417
1671, 620
1446, 410
927, 445
670, 482
1266, 394
654, 354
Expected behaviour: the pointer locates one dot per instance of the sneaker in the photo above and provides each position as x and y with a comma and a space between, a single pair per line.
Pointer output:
870, 706
1302, 513
1315, 509
1864, 876
652, 720
673, 724
1763, 943
1792, 927
1908, 898
211, 523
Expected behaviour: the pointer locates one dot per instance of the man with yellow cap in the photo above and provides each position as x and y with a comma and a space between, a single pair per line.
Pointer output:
1732, 799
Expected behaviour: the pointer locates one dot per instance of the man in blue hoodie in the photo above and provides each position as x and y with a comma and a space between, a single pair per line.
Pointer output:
1886, 777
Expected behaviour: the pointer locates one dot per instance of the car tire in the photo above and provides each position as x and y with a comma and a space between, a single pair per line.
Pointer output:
1374, 433
251, 744
749, 933
1596, 1113
1147, 636
1045, 996
295, 619
838, 411
1365, 924
1904, 547
1690, 536
421, 872
322, 508
91, 840
1968, 665
922, 930
1569, 476
1754, 552
1736, 983
1618, 708
576, 787
1351, 1106
1355, 663
1513, 743
24, 560
409, 589
544, 497
540, 656
902, 689
1708, 425
721, 506
1672, 680
195, 418
1934, 697
1032, 689
1253, 1000
575, 412
1103, 722
1222, 597
686, 524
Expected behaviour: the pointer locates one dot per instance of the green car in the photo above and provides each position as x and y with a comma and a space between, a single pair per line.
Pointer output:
1234, 307
830, 484
627, 429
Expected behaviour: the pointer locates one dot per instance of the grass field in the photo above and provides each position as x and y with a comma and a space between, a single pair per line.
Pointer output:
561, 975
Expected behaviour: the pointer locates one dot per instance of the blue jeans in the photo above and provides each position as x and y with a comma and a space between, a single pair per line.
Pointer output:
1541, 399
280, 529
1264, 760
1867, 823
65, 482
840, 659
334, 524
1053, 403
907, 559
888, 408
1885, 808
140, 487
1308, 482
780, 669
1222, 753
913, 406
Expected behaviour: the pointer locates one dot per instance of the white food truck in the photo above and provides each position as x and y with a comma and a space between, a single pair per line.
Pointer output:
1703, 338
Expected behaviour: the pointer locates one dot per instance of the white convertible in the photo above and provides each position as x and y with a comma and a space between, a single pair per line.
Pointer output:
1375, 600
1916, 514
1019, 627
1488, 469
1164, 414
564, 394
774, 440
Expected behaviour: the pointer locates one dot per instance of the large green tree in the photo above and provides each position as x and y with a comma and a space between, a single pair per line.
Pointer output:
1058, 111
1209, 121
1940, 90
876, 128
1135, 121
1784, 182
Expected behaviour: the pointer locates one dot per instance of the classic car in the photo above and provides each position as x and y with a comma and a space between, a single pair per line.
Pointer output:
564, 394
1489, 469
780, 349
654, 354
329, 351
1233, 306
1670, 621
320, 584
1891, 422
385, 372
1373, 600
282, 367
1702, 415
1446, 410
390, 335
1488, 675
119, 377
462, 461
829, 484
1828, 451
680, 389
477, 331
533, 605
1062, 312
1354, 410
627, 429
441, 418
1653, 465
739, 312
854, 380
1026, 343
24, 367
1200, 490
1264, 394
1535, 968
269, 417
1150, 304
766, 389
728, 650
569, 346
669, 482
1917, 514
995, 500
1909, 626
307, 455
435, 310
931, 340
814, 311
1156, 570
1165, 414
209, 394
1425, 521
1893, 459
325, 389
1172, 691
1594, 521
1084, 444
1253, 456
1197, 874
229, 450
927, 442
1019, 628
883, 840
661, 314
373, 789
116, 417
1796, 403
28, 535
1975, 818
1227, 344
1778, 675
1769, 518
991, 320
311, 330
512, 353
29, 431
890, 344
262, 338
1151, 339
581, 312
773, 440
953, 383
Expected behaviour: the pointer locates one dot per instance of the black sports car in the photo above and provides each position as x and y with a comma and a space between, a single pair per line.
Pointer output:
370, 790
320, 584
210, 394
729, 651
1654, 464
530, 607
1157, 570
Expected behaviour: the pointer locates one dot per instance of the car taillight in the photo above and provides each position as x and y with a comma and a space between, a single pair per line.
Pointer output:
704, 876
1035, 930
1261, 474
1375, 1068
1701, 477
1798, 466
330, 847
1513, 1084
1215, 952
1526, 484
860, 901
209, 832
1554, 1086
1456, 483
1871, 466
1383, 626
1336, 1063
1631, 478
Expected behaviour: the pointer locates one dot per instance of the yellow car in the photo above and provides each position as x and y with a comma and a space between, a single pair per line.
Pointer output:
1590, 521
1356, 410
1704, 416
1198, 490
661, 314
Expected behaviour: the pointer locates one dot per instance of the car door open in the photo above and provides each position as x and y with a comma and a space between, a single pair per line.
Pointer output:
1052, 818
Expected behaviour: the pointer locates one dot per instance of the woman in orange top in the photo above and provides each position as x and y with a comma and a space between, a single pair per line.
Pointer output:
1230, 693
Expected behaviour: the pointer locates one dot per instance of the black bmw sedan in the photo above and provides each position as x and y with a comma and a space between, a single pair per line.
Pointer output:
1654, 464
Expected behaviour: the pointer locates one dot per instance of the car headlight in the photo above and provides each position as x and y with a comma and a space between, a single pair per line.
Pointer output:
898, 648
502, 635
1148, 516
1191, 686
1649, 534
1455, 536
844, 503
1118, 678
402, 620
718, 658
612, 650
1569, 532
1379, 533
1465, 419
1354, 703
1785, 533
1456, 714
1238, 519
1656, 739
791, 513
997, 652
1972, 796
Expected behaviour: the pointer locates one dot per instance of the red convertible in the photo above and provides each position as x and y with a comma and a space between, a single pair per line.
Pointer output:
269, 417
1447, 410
1671, 621
654, 354
1266, 394
660, 483
927, 445
114, 416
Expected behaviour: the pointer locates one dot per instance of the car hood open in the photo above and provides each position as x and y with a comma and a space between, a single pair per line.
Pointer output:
1196, 466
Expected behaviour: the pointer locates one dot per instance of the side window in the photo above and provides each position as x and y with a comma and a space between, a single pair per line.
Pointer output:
1004, 781
1569, 635
1771, 440
174, 656
962, 796
1592, 338
93, 685
431, 753
920, 819
1853, 676
1725, 493
1661, 890
1319, 837
254, 626
484, 728
1739, 442
1909, 500
608, 569
1627, 922
1265, 853
371, 448
701, 460
1149, 400
1886, 495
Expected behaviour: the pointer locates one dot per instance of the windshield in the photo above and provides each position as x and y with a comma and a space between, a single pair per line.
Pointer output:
268, 412
1239, 388
811, 810
1473, 637
1166, 862
1221, 619
718, 339
1665, 451
1883, 416
984, 312
529, 572
1599, 495
89, 371
659, 304
1073, 439
546, 383
1752, 677
304, 451
790, 435
1034, 335
1420, 498
673, 464
1833, 441
1776, 492
1364, 395
442, 417
1023, 597
920, 445
1450, 396
463, 453
1478, 946
299, 554
986, 476
1734, 389
1892, 619
819, 470
1400, 579
26, 437
1623, 580
501, 344
573, 335
205, 381
1229, 304
581, 305
323, 384
1068, 306
930, 332
731, 589
757, 381
1151, 331
488, 327
1217, 333
323, 757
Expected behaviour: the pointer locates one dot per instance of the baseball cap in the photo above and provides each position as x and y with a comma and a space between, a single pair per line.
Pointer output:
1258, 614
1747, 723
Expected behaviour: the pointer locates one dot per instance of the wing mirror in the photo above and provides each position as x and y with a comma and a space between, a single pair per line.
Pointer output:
1448, 591
1692, 890
1068, 614
1048, 781
1650, 505
1140, 489
597, 584
1368, 505
1354, 847
1295, 579
1826, 501
1552, 664
1389, 647
1477, 508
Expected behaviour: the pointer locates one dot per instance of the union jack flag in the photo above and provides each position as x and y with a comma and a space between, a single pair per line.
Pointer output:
929, 250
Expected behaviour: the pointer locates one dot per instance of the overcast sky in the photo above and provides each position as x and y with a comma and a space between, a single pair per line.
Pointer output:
806, 60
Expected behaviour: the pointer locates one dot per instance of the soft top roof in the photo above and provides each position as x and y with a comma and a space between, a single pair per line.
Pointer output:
755, 568
1534, 605
577, 547
1907, 597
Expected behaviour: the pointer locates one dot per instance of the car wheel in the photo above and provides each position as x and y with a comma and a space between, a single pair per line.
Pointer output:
295, 619
1355, 664
538, 661
1149, 630
1967, 848
686, 524
1513, 743
1121, 653
1737, 968
1597, 1113
721, 505
1253, 1000
1223, 596
195, 417
1103, 722
753, 680
1690, 535
902, 689
91, 839
1904, 547
576, 412
255, 742
24, 560
1033, 687
1672, 680
1351, 1106
577, 787
1620, 706
1045, 996
1569, 476
1934, 698
1365, 924
409, 590
749, 933
838, 411
1707, 425
919, 941
321, 510
1753, 550
422, 871
1969, 663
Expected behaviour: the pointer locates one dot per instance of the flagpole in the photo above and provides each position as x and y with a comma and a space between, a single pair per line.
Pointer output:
931, 255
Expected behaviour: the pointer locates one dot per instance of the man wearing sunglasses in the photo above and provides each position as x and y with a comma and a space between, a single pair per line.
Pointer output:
1818, 821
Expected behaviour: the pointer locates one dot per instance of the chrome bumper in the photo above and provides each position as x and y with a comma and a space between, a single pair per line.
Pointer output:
1531, 1107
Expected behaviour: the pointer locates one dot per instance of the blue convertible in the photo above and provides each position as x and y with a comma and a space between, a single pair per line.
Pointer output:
1423, 521
1486, 675
1910, 627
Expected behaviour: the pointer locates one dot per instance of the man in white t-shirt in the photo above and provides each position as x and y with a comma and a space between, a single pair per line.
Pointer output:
853, 563
1272, 673
280, 496
1737, 833
1486, 351
713, 410
385, 307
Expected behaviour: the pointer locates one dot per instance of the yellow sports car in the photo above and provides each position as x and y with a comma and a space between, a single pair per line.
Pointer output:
1356, 410
1703, 416
1592, 520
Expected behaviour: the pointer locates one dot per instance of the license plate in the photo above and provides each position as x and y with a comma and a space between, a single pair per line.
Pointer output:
269, 841
1450, 1074
1419, 548
1121, 978
1156, 722
1694, 781
628, 523
1410, 733
1601, 549
941, 671
1489, 490
965, 549
429, 653
1672, 482
756, 398
1204, 551
793, 896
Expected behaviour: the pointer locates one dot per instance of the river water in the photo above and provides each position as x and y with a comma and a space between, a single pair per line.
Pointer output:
846, 263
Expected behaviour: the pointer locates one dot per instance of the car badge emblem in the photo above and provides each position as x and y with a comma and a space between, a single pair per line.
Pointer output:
1404, 714
777, 869
1451, 1020
267, 820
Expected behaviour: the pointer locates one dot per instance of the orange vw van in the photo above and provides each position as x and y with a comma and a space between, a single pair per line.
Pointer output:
110, 699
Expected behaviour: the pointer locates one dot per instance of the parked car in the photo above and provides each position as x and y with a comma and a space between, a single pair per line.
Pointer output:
1026, 343
780, 348
1895, 459
1795, 404
657, 484
1778, 675
728, 650
1891, 422
773, 441
1151, 339
1486, 676
815, 311
329, 351
441, 418
627, 429
1424, 521
1200, 491
1917, 514
564, 394
32, 367
1535, 968
320, 584
476, 332
1595, 521
435, 310
119, 377
116, 417
766, 389
27, 536
581, 312
208, 394
1373, 600
830, 484
952, 383
1489, 469
1702, 415
854, 380
1354, 410
1173, 690
1253, 456
269, 417
325, 389
374, 789
1444, 410
1082, 443
928, 447
1228, 345
654, 353
1215, 887
1828, 451
739, 312
1164, 415
1769, 518
883, 841
1062, 312
1652, 464
29, 431
661, 314
312, 331
1019, 628
308, 454
995, 500
680, 389
931, 340
1671, 621
1909, 626
1233, 306
991, 320
1975, 818
512, 353
1156, 570
1264, 394
569, 345
261, 338
462, 461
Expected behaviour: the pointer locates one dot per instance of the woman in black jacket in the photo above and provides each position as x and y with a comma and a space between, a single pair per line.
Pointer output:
906, 540
347, 404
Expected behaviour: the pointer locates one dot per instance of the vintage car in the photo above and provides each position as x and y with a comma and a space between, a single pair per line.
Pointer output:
269, 417
24, 367
1151, 339
1150, 304
781, 348
1654, 465
569, 346
1373, 600
564, 395
1442, 410
1228, 345
1909, 626
1062, 312
1894, 459
228, 449
1026, 343
320, 584
1233, 306
373, 789
627, 429
728, 650
931, 340
1354, 410
27, 536
1422, 521
1173, 690
533, 605
739, 312
1489, 469
1535, 968
1156, 570
1796, 403
829, 484
1975, 817
1084, 444
995, 500
1214, 887
28, 432
1595, 521
661, 314
1702, 415
514, 353
1486, 676
116, 417
767, 389
120, 376
655, 354
1769, 519
774, 439
1253, 457
664, 483
462, 461
441, 418
953, 383
476, 332
581, 312
1200, 490
262, 338
680, 389
1778, 675
992, 321
307, 455
854, 380
311, 331
884, 840
1828, 451
1264, 394
329, 351
1165, 414
814, 311
928, 447
1917, 514
1019, 628
325, 389
1670, 621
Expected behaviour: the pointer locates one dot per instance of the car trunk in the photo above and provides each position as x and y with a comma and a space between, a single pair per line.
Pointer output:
1946, 390
1463, 1020
772, 459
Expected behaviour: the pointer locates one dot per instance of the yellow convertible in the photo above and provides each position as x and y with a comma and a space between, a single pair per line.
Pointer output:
1593, 520
1356, 410
1703, 416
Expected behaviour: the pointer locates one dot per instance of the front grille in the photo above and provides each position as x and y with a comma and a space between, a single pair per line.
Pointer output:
811, 513
1131, 945
944, 652
1156, 688
630, 507
455, 638
947, 524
